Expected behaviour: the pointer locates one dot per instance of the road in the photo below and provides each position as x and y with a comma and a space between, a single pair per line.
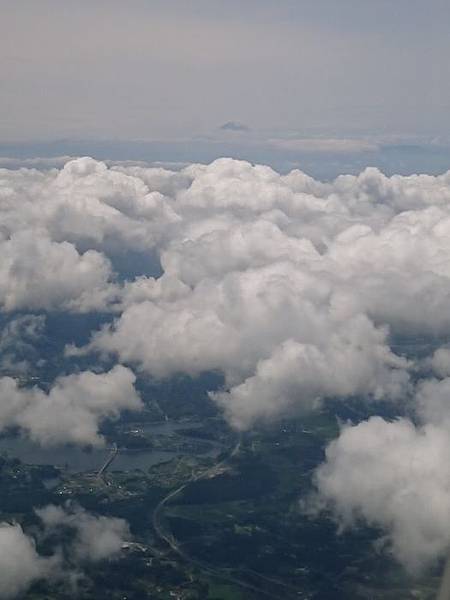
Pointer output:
158, 513
167, 537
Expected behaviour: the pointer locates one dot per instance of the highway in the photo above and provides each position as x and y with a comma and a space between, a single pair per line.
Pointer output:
167, 537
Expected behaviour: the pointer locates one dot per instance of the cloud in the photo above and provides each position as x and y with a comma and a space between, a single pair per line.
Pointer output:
352, 362
96, 537
76, 404
229, 247
391, 475
93, 538
272, 323
86, 204
253, 260
432, 402
440, 362
37, 273
17, 340
20, 564
293, 289
260, 271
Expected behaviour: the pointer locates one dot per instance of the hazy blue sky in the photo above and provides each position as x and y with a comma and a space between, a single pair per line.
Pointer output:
173, 70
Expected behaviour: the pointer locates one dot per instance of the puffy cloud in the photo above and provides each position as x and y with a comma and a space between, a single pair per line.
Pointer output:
255, 260
226, 324
291, 288
96, 537
354, 361
37, 273
433, 402
73, 408
21, 331
221, 249
392, 476
399, 275
254, 263
440, 362
17, 340
85, 203
270, 332
20, 564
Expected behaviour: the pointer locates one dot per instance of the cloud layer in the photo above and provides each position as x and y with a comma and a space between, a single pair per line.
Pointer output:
294, 290
265, 277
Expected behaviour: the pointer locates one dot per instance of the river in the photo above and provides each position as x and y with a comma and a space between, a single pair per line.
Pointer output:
75, 459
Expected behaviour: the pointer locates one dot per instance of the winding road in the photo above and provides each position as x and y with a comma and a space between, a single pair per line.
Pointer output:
167, 537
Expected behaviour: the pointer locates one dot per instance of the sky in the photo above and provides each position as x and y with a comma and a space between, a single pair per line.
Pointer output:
175, 72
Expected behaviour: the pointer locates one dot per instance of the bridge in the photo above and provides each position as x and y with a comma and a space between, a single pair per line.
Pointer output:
112, 455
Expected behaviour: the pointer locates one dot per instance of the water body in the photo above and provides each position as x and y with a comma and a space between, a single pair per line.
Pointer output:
76, 459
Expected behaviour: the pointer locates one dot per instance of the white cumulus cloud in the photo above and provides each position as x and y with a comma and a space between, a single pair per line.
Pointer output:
254, 263
96, 537
20, 564
393, 476
93, 538
73, 408
294, 290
